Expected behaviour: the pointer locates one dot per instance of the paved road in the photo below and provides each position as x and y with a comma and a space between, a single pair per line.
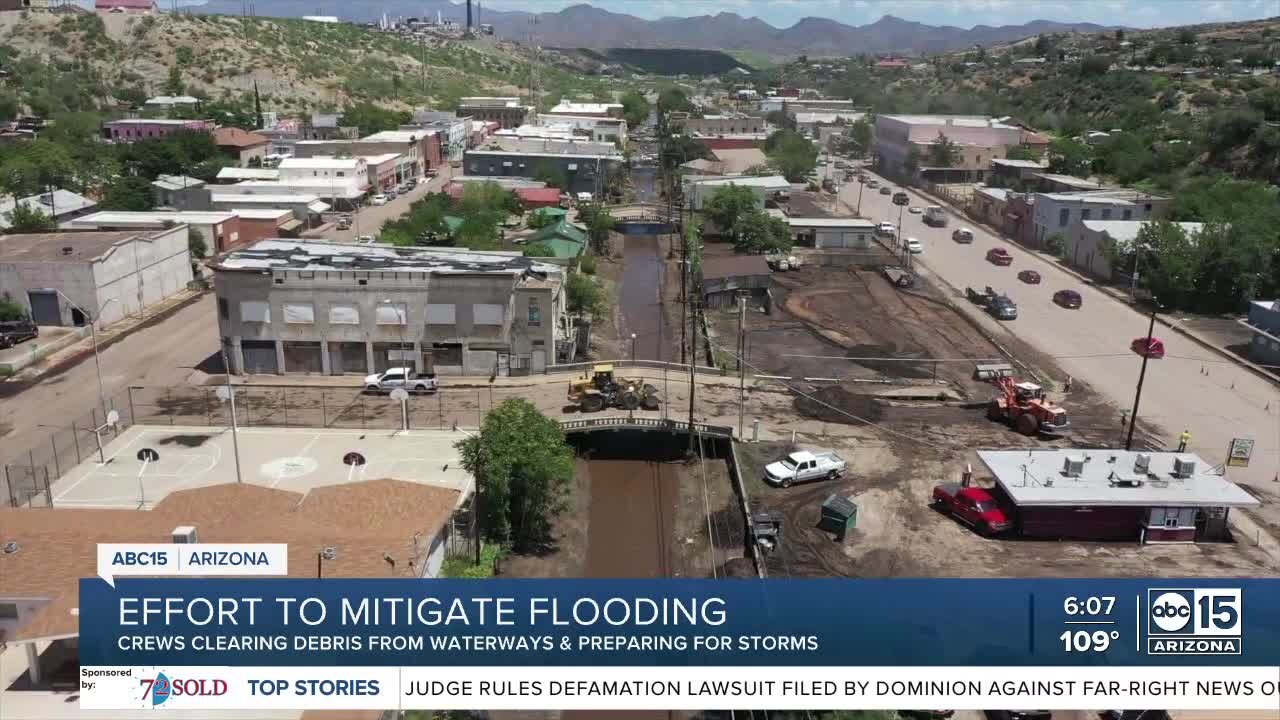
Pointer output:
1092, 344
164, 354
368, 221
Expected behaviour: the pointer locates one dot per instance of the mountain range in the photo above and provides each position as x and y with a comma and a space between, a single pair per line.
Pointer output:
590, 27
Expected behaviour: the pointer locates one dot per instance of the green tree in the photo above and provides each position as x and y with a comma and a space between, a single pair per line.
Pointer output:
372, 118
1069, 157
911, 164
727, 204
635, 108
943, 153
759, 232
128, 192
583, 296
1020, 152
538, 250
196, 244
1095, 65
553, 175
1186, 36
538, 220
173, 85
1043, 46
600, 223
10, 310
523, 468
26, 219
859, 135
673, 99
791, 153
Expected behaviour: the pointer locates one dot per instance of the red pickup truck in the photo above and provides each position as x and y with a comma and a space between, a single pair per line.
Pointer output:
972, 506
999, 256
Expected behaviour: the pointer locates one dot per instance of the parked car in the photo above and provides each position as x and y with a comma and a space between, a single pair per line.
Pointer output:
914, 210
379, 199
13, 332
914, 246
401, 377
1002, 307
962, 235
344, 222
886, 229
972, 506
366, 240
392, 193
1069, 299
1031, 277
886, 190
803, 466
873, 183
1152, 347
933, 215
999, 256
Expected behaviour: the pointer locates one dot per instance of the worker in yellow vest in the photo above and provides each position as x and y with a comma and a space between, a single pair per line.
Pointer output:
1183, 439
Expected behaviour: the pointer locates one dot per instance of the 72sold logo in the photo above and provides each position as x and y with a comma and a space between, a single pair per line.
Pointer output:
1194, 621
160, 688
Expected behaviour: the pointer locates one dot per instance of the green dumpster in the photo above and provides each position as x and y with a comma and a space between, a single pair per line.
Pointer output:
839, 515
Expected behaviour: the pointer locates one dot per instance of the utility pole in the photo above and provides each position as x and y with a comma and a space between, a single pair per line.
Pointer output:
742, 364
1142, 376
693, 362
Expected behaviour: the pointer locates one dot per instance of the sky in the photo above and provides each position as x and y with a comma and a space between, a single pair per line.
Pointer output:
961, 13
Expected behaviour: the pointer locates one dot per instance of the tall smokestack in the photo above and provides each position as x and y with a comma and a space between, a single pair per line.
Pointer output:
468, 14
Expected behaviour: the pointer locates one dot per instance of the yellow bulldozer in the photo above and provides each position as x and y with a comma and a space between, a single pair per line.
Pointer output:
599, 389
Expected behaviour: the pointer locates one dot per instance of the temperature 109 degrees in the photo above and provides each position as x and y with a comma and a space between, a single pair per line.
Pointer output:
1087, 640
1088, 606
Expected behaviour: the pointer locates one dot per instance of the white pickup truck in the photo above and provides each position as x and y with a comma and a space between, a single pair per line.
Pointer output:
803, 466
401, 377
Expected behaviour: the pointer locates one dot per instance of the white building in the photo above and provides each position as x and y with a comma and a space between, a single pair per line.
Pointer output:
588, 109
107, 275
1090, 248
699, 189
168, 102
61, 205
1063, 213
826, 233
596, 128
978, 140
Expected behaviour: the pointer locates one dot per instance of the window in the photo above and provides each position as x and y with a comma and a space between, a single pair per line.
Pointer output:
340, 173
486, 314
299, 313
1064, 216
344, 314
224, 311
255, 311
391, 314
8, 611
1128, 214
442, 314
1106, 213
535, 312
1085, 214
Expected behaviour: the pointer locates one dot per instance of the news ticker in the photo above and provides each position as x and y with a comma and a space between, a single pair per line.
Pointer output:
667, 688
561, 622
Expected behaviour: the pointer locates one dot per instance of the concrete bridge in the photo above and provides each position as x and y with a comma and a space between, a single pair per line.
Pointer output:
625, 422
641, 212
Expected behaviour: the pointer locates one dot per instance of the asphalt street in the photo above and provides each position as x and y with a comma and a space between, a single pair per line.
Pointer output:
1192, 388
368, 221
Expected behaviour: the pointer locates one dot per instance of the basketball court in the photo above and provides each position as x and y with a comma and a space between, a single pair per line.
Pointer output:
147, 462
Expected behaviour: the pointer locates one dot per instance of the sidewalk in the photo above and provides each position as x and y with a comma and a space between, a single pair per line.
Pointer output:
1116, 293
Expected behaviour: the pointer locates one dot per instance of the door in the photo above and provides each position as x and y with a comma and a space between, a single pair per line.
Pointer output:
504, 364
44, 307
259, 357
538, 361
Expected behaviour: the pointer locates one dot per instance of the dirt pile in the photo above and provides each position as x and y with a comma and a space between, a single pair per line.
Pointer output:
835, 403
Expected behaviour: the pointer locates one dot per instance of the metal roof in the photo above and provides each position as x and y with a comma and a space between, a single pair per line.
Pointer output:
831, 222
1108, 478
1124, 231
124, 217
177, 182
288, 254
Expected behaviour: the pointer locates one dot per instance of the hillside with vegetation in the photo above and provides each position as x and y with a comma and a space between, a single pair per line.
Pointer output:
60, 63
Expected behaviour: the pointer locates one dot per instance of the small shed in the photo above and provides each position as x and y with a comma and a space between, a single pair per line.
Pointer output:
725, 277
839, 515
555, 214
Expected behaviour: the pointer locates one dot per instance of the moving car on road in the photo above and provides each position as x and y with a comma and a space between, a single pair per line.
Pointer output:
401, 377
972, 506
962, 235
886, 229
379, 199
1152, 347
1030, 277
803, 466
914, 246
999, 256
1069, 299
914, 210
900, 198
933, 215
886, 190
1002, 307
873, 183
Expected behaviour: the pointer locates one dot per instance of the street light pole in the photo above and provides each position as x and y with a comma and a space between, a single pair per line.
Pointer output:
93, 332
1142, 376
231, 398
633, 347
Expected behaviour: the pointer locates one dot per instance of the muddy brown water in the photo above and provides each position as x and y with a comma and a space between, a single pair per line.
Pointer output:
642, 276
632, 519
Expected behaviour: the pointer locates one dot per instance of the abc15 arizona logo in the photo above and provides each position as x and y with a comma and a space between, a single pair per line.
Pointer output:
1194, 621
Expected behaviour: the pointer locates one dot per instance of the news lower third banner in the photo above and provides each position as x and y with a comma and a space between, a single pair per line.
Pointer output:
270, 643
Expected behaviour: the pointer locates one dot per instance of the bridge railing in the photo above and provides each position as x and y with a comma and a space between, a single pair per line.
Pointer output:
645, 423
650, 364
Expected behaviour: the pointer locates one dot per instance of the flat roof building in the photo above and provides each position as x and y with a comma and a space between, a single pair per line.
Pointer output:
602, 110
1115, 494
331, 308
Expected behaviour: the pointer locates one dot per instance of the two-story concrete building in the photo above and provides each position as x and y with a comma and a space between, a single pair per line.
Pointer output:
585, 173
320, 307
977, 141
1064, 213
506, 111
600, 110
600, 129
727, 124
1090, 247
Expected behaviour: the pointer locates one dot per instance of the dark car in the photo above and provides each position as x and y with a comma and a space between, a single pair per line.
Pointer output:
1069, 299
1002, 307
1031, 277
13, 332
886, 190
